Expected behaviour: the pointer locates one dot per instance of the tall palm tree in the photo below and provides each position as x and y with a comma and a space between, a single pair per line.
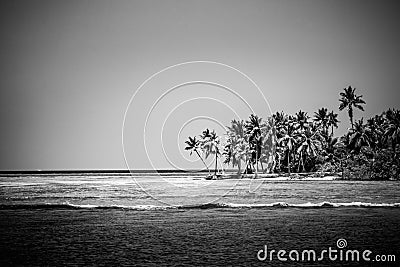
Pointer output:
193, 145
307, 146
350, 101
253, 130
322, 118
288, 140
268, 145
211, 144
332, 120
235, 149
375, 132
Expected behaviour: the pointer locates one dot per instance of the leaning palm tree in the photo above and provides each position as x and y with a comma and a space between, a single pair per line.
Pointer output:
332, 120
193, 145
350, 101
235, 152
322, 118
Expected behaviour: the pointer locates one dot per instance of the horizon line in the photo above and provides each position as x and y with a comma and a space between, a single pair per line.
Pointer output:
48, 171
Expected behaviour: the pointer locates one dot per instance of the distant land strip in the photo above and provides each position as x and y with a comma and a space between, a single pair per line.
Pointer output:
98, 171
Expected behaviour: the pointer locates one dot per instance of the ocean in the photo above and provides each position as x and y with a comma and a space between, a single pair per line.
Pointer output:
177, 219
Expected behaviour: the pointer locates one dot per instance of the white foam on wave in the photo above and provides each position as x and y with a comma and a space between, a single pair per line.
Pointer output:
133, 207
315, 205
83, 206
244, 205
18, 184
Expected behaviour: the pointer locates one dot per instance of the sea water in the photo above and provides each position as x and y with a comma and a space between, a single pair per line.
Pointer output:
145, 219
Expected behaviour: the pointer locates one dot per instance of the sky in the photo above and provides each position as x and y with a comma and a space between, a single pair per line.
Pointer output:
71, 70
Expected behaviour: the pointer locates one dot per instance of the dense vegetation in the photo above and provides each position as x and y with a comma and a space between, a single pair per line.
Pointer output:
285, 143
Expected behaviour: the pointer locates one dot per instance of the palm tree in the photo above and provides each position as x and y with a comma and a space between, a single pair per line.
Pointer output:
211, 143
288, 140
392, 129
375, 131
268, 145
321, 117
330, 147
194, 145
332, 120
302, 119
235, 149
359, 137
253, 130
308, 146
350, 100
280, 120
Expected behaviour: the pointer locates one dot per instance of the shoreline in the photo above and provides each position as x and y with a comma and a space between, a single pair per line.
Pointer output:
313, 176
197, 174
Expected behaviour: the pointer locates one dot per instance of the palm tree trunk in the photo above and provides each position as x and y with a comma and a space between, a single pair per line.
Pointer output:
239, 167
221, 165
394, 159
372, 163
216, 160
256, 162
288, 162
300, 161
394, 150
397, 169
202, 161
341, 166
279, 164
351, 117
245, 165
298, 165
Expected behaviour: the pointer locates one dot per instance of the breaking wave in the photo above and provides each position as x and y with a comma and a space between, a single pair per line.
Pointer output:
276, 205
